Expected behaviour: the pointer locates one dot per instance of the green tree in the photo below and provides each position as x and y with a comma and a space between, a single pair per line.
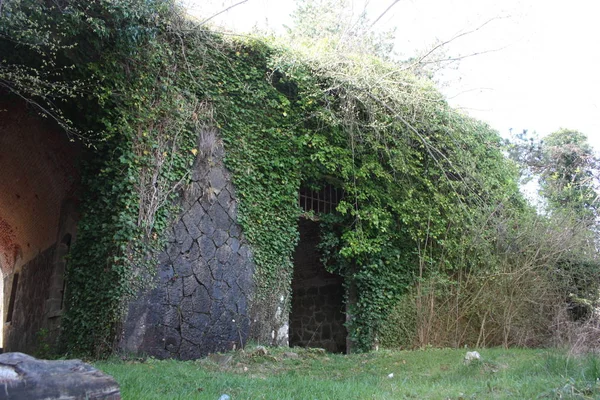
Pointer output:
566, 168
333, 25
568, 174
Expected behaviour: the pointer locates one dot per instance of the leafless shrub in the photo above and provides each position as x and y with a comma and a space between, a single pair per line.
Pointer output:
579, 337
154, 190
519, 298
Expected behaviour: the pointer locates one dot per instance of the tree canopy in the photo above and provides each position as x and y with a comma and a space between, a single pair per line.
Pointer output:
569, 173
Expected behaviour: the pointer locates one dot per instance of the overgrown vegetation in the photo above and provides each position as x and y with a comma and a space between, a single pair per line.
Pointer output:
106, 72
538, 282
431, 207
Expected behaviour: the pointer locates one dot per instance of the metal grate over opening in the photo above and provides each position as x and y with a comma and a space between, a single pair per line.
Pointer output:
324, 200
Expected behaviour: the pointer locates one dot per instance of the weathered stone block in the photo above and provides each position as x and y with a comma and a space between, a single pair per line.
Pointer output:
172, 340
220, 237
235, 230
193, 253
207, 200
189, 285
182, 266
201, 321
220, 290
201, 271
162, 258
180, 232
234, 244
216, 270
195, 213
217, 179
24, 377
186, 308
191, 226
186, 245
201, 301
170, 235
175, 291
172, 317
206, 225
224, 198
189, 351
245, 281
173, 250
191, 333
165, 272
221, 218
207, 248
198, 172
223, 254
232, 210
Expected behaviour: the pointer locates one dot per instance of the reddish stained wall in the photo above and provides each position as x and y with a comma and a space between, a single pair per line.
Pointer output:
37, 173
9, 249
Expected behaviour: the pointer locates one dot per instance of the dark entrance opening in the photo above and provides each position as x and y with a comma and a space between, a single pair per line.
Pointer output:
39, 183
317, 317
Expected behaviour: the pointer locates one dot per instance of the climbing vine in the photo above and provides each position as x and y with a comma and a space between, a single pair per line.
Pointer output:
106, 72
136, 82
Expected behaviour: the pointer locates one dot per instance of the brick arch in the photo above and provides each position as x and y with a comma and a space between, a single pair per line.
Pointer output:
38, 176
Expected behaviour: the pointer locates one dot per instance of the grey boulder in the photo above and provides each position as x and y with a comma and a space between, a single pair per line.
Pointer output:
25, 377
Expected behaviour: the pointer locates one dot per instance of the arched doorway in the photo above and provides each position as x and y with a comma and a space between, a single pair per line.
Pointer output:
38, 183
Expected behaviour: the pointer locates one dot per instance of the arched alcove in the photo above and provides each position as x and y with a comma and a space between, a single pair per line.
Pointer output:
38, 183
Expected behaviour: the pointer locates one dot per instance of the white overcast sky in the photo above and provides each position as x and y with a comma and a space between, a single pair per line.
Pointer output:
540, 70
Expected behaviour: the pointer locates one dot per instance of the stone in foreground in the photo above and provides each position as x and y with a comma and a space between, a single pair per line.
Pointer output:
25, 377
472, 356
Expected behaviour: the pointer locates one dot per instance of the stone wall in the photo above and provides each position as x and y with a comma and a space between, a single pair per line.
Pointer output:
317, 317
205, 275
26, 319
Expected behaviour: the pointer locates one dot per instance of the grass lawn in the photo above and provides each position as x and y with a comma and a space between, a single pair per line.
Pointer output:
427, 374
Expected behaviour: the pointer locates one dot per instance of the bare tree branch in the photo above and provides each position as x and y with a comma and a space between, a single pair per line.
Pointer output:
452, 59
43, 110
222, 11
446, 42
469, 90
383, 13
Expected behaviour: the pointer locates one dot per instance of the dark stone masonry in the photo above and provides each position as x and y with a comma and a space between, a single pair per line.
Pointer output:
25, 316
205, 276
317, 317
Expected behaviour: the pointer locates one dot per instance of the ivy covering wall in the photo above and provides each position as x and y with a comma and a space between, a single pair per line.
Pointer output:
135, 81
